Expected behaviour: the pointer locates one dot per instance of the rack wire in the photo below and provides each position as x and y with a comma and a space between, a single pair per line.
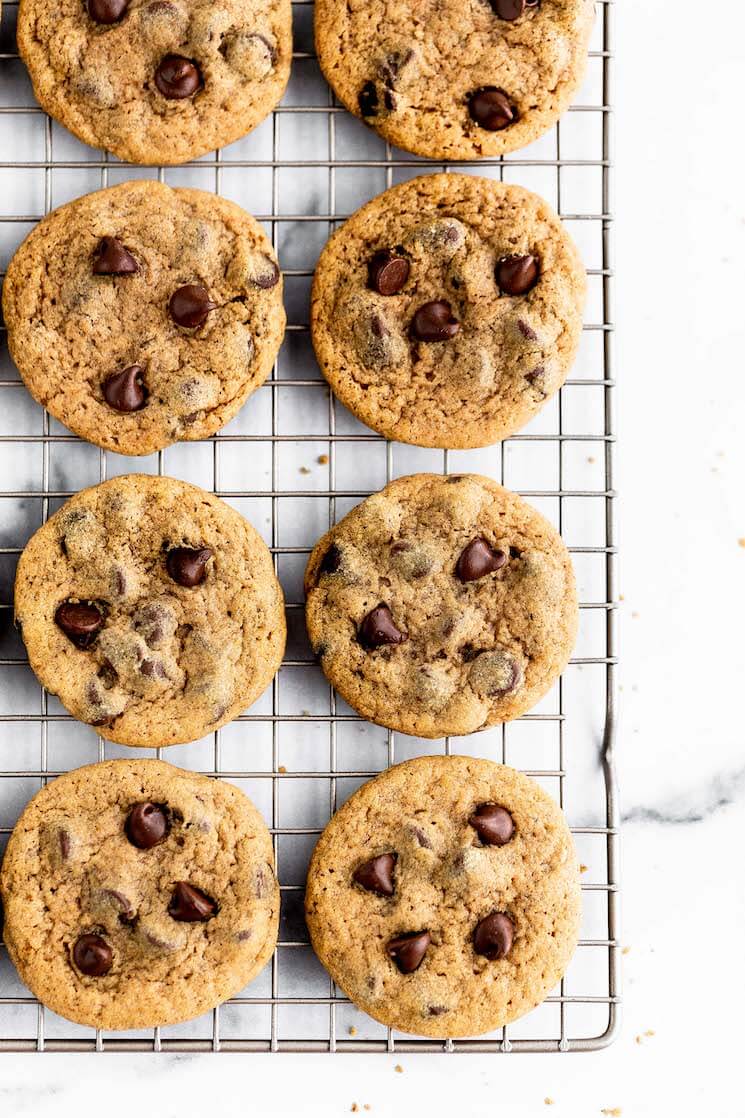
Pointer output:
294, 461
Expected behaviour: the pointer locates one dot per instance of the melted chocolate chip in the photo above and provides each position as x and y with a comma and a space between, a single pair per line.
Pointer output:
508, 9
408, 951
478, 559
493, 824
177, 77
368, 99
493, 936
378, 628
187, 565
331, 561
92, 955
125, 391
434, 322
516, 275
491, 109
189, 904
111, 258
386, 272
268, 276
107, 11
147, 825
190, 305
80, 621
377, 875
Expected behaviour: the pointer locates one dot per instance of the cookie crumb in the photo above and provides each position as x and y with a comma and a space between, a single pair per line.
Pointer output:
625, 950
741, 541
281, 769
323, 459
583, 868
366, 1106
354, 1108
548, 1101
352, 1030
649, 1032
590, 459
634, 613
304, 470
398, 1068
612, 1111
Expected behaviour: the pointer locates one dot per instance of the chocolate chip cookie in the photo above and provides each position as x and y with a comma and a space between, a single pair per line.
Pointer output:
157, 81
444, 898
441, 605
137, 894
453, 80
151, 609
143, 314
448, 310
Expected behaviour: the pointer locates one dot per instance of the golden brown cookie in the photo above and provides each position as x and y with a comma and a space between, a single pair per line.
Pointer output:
448, 310
455, 80
151, 609
137, 894
143, 314
157, 81
444, 897
441, 605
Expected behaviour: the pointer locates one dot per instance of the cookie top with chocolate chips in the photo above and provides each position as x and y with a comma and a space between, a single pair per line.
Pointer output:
137, 894
151, 609
157, 81
448, 310
143, 314
441, 605
453, 80
429, 921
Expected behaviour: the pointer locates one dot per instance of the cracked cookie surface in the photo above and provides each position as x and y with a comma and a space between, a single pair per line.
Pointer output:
448, 310
441, 605
89, 894
157, 81
178, 285
151, 609
473, 926
455, 80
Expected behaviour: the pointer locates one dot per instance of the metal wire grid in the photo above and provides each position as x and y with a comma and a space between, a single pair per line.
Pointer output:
317, 1017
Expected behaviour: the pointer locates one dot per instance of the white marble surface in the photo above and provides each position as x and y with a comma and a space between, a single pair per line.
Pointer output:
680, 240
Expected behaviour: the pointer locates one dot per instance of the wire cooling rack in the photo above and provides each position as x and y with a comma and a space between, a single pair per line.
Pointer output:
294, 461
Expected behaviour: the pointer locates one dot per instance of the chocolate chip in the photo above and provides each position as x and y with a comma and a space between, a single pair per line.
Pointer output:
434, 322
177, 77
188, 565
378, 628
107, 11
64, 844
377, 875
491, 109
408, 951
493, 824
526, 330
92, 955
368, 99
125, 391
495, 674
477, 559
436, 1010
386, 272
516, 275
190, 904
493, 936
535, 374
508, 9
111, 258
421, 838
80, 621
268, 276
147, 825
153, 669
190, 305
331, 561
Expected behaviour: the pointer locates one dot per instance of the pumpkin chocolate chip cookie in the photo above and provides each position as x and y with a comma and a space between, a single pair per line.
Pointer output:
151, 609
448, 310
444, 896
441, 605
143, 314
157, 81
137, 894
455, 80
